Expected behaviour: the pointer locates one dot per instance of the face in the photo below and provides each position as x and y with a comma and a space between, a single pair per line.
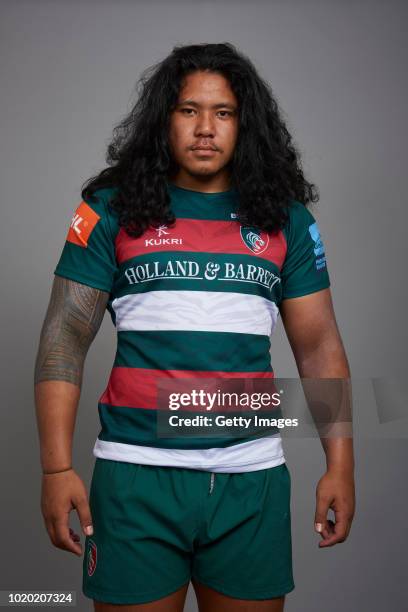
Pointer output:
204, 127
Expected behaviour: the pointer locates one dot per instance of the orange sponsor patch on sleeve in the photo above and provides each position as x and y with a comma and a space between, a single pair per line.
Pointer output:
82, 224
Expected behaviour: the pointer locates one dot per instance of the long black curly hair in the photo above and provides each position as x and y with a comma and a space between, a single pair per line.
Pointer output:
265, 167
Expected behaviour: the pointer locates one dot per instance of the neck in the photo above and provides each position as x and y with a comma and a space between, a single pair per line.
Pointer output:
204, 184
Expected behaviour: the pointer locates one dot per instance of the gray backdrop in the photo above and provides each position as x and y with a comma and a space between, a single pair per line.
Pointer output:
338, 70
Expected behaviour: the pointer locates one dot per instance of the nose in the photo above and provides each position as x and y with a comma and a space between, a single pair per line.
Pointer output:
204, 124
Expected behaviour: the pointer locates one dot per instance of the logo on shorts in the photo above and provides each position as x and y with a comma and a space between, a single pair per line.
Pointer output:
91, 557
256, 241
82, 224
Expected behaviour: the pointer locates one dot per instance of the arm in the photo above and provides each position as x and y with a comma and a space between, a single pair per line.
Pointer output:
318, 350
73, 317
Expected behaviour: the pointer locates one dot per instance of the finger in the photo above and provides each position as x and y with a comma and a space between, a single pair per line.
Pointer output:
74, 535
51, 532
338, 534
327, 530
84, 514
320, 520
342, 526
62, 539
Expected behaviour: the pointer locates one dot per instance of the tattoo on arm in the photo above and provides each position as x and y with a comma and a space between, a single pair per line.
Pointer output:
73, 317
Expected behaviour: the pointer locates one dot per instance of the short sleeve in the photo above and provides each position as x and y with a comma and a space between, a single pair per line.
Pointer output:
88, 255
305, 268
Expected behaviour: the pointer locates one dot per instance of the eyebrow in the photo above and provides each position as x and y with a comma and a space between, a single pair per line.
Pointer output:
218, 105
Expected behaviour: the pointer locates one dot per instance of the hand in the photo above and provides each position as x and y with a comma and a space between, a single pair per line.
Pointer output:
61, 493
334, 490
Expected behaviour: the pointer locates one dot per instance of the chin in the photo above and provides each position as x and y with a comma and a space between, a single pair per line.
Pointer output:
203, 170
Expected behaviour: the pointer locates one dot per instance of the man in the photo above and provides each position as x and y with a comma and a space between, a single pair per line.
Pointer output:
195, 239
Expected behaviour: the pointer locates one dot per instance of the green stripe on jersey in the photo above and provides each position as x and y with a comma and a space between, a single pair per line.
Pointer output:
188, 204
208, 351
139, 426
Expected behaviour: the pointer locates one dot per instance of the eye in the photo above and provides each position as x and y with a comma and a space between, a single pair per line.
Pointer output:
188, 110
227, 113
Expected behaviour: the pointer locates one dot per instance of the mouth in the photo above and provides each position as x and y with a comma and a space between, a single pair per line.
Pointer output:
208, 146
204, 150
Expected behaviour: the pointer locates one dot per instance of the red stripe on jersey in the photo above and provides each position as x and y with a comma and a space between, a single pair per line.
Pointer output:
199, 236
136, 387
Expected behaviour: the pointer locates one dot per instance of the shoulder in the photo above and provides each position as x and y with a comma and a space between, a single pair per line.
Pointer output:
300, 219
298, 213
100, 203
100, 200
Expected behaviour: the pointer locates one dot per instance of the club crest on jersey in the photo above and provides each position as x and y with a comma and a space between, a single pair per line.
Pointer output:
91, 557
254, 239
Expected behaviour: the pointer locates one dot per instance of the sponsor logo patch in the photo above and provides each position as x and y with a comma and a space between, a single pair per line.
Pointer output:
318, 246
82, 224
162, 230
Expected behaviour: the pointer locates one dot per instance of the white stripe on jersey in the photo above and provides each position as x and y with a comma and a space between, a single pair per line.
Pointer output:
213, 311
258, 454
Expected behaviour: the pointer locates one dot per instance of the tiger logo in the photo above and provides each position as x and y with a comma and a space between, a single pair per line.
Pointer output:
255, 240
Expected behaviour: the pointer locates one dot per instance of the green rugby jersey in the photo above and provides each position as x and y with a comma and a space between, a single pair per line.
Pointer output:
200, 299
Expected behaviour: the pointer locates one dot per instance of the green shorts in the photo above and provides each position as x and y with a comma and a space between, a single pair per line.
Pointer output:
156, 527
